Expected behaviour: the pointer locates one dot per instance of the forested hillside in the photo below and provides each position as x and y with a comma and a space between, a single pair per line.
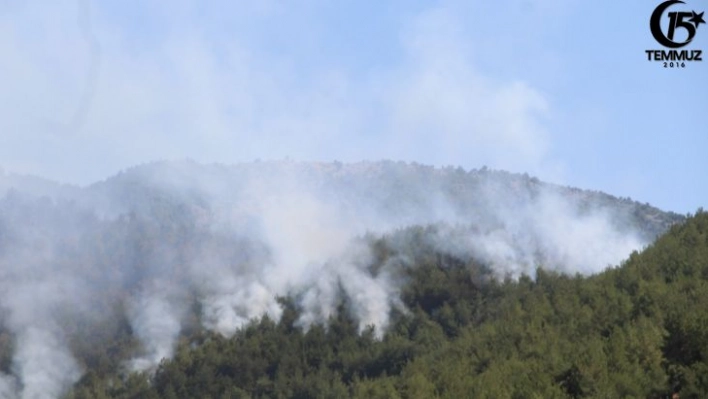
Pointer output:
636, 331
354, 273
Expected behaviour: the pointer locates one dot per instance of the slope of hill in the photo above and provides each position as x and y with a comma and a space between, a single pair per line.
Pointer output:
637, 331
110, 277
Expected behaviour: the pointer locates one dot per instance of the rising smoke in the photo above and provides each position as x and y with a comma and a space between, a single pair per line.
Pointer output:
157, 239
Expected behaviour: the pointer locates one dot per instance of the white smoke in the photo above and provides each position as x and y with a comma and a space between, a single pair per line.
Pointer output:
235, 239
156, 322
8, 387
44, 363
546, 231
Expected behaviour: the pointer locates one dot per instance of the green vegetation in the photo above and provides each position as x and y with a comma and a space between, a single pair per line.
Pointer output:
636, 331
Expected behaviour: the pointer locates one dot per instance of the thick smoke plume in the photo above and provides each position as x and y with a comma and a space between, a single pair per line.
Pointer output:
161, 240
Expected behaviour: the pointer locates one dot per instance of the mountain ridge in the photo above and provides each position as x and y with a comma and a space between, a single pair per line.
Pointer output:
165, 249
39, 186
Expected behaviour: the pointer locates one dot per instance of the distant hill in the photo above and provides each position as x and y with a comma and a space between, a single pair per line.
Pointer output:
33, 185
397, 187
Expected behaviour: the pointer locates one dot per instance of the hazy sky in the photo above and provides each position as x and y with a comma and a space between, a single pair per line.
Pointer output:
561, 89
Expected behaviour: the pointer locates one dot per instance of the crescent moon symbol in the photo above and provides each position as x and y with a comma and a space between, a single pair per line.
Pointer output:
655, 24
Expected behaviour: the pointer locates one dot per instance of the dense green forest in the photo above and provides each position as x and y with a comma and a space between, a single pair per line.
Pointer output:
374, 279
639, 330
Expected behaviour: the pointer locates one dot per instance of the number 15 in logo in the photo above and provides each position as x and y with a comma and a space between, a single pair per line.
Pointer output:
677, 20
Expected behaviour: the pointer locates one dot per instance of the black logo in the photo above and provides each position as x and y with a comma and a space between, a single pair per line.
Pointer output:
678, 21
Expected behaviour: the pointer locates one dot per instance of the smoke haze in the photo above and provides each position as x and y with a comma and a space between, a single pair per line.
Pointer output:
157, 239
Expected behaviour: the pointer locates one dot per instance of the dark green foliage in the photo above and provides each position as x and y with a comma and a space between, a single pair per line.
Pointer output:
636, 331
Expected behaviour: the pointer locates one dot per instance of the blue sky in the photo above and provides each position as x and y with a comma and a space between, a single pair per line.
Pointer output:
559, 89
